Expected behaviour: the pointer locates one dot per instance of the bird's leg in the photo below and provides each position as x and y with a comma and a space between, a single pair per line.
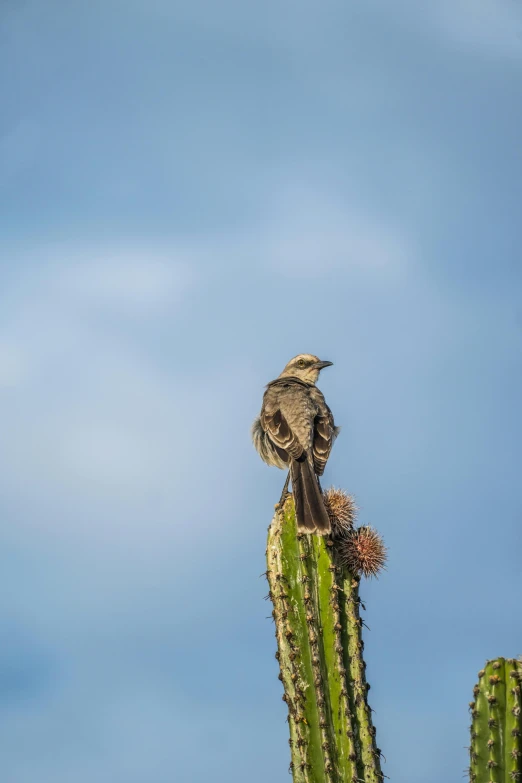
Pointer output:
285, 493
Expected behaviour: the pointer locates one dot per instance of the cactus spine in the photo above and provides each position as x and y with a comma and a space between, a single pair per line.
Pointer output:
496, 726
318, 631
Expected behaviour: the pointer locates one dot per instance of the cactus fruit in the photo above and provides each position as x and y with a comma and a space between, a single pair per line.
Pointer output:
341, 509
318, 631
362, 551
496, 724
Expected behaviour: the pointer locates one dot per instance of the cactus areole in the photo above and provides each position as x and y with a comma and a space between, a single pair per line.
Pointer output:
319, 650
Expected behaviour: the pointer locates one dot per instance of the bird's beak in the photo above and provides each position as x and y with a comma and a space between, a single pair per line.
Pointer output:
320, 365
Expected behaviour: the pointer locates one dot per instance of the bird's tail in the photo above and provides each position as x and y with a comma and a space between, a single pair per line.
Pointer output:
310, 510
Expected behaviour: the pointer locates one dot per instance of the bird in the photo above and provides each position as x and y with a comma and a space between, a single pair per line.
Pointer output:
295, 431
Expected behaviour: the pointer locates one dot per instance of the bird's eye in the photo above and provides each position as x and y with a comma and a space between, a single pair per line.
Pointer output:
301, 362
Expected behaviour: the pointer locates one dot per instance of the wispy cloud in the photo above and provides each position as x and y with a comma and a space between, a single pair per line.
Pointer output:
86, 406
491, 27
487, 26
12, 364
310, 234
125, 278
89, 416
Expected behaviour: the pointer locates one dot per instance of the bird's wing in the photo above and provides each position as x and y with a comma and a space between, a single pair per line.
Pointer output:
276, 425
325, 432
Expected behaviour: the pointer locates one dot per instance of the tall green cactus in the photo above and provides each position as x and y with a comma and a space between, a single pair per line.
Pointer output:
496, 725
318, 631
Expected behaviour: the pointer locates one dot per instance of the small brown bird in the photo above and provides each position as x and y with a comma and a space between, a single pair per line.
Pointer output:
296, 431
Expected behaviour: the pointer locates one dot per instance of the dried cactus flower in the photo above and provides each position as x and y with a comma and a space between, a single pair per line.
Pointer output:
363, 551
341, 509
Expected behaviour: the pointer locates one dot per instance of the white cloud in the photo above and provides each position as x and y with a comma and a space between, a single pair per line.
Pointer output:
12, 364
490, 26
484, 26
86, 408
124, 278
311, 235
90, 420
55, 308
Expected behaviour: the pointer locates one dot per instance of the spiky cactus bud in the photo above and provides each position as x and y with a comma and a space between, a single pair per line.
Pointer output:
363, 551
496, 727
318, 631
341, 509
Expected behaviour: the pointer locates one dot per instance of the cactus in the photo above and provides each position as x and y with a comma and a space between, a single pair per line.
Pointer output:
318, 631
496, 724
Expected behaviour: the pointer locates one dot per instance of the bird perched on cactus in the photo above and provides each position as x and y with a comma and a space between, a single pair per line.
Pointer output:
295, 431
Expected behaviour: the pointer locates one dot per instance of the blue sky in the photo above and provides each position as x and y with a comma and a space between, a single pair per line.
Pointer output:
190, 194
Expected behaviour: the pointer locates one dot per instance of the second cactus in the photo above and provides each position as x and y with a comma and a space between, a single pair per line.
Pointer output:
496, 728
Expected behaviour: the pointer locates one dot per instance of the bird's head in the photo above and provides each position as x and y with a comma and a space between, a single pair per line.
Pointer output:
305, 367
